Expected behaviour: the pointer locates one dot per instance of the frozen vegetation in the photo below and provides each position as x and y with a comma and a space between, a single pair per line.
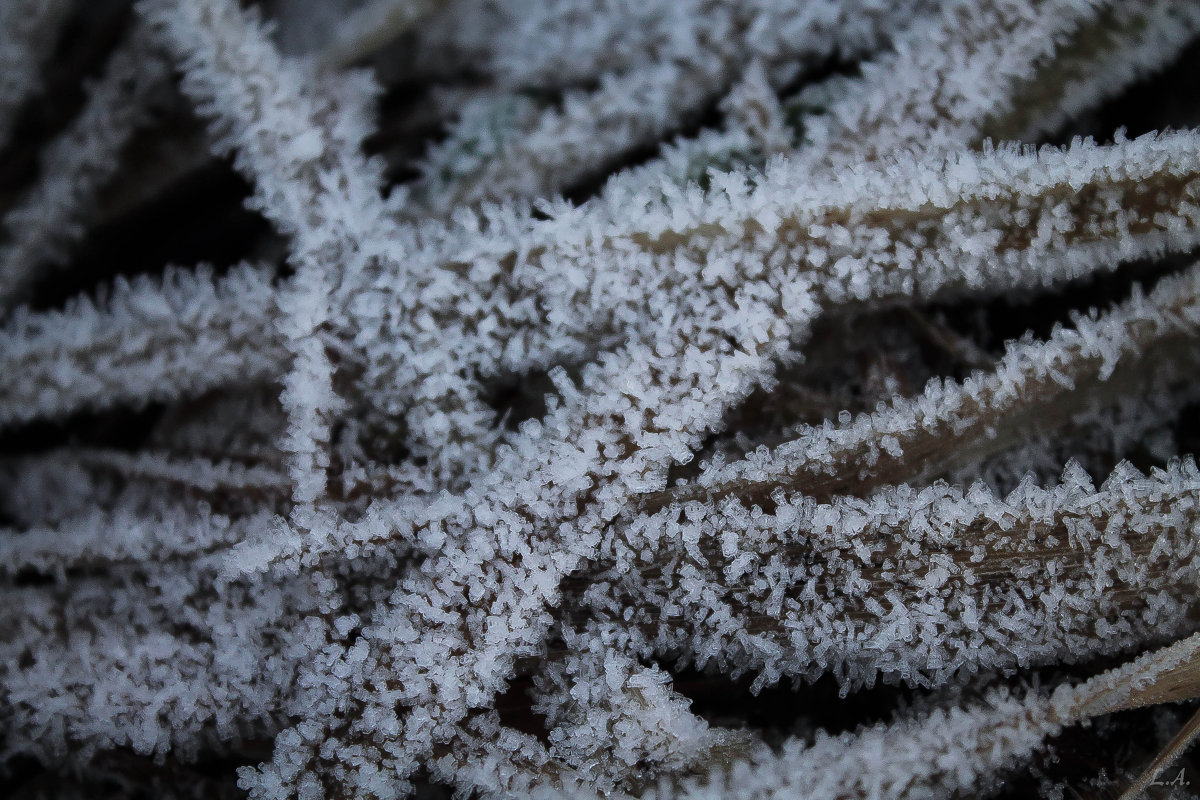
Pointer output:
543, 363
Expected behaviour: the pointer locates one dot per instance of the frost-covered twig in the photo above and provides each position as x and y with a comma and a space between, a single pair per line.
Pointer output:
151, 659
942, 754
1125, 43
189, 474
144, 340
28, 29
278, 136
918, 585
952, 424
124, 536
988, 70
49, 220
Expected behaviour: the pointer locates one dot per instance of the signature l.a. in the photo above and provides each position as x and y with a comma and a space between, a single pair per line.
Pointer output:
1178, 780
